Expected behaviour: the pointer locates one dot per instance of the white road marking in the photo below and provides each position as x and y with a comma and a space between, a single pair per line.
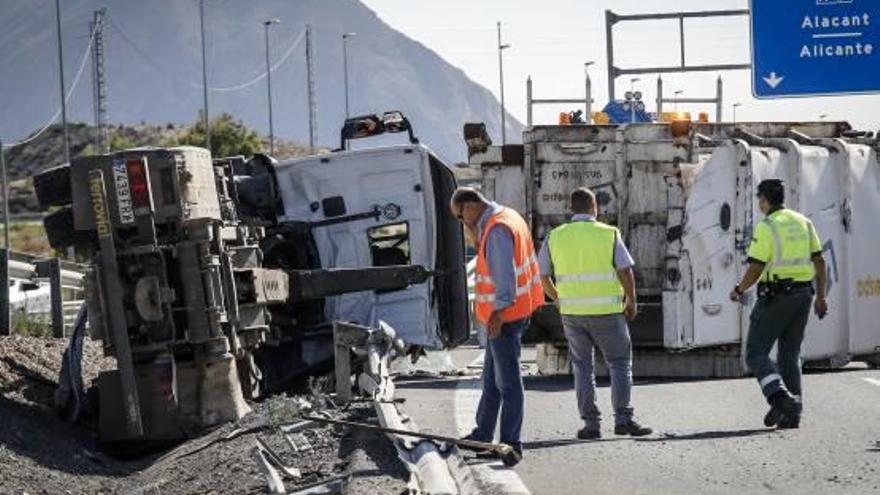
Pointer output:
466, 398
872, 381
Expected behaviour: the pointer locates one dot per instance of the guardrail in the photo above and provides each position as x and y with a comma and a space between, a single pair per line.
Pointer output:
60, 275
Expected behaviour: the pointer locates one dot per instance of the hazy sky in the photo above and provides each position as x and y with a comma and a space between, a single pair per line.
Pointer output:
551, 40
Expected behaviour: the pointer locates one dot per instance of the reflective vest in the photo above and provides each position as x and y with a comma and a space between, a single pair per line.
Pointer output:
793, 239
529, 292
583, 266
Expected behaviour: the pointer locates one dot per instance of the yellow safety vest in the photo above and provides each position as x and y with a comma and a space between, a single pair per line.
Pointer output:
583, 265
785, 240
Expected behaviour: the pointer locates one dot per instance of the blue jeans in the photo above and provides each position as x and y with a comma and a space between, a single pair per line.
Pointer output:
502, 386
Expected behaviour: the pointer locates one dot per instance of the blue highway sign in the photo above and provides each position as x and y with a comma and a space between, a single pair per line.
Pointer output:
815, 47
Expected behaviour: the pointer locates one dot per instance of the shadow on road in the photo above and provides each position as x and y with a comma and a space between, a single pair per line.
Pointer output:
707, 435
564, 442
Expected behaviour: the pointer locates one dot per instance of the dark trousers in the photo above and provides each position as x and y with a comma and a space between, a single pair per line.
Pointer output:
781, 320
502, 386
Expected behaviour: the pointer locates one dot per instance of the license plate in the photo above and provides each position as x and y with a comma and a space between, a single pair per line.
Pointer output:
123, 193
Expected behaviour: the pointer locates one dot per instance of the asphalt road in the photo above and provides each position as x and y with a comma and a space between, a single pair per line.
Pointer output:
709, 437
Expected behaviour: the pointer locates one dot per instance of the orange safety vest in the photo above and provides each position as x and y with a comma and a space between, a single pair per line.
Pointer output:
529, 292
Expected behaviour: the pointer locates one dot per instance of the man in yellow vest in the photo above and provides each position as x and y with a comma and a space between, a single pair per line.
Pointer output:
507, 290
786, 255
587, 270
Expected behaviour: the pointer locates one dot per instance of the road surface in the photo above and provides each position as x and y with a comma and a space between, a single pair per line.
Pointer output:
709, 437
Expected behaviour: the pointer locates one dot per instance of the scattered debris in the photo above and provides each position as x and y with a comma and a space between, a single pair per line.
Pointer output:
40, 453
274, 484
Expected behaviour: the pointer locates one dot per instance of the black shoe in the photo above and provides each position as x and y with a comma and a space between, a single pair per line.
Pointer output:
587, 433
782, 405
633, 429
789, 423
513, 460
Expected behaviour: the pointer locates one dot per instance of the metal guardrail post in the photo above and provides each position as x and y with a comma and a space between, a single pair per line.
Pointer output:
51, 269
5, 320
54, 266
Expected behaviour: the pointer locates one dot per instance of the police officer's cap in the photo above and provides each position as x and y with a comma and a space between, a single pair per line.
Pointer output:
771, 187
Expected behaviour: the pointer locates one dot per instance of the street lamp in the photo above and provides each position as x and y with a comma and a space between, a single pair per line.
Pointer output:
501, 48
345, 38
266, 25
61, 80
588, 91
205, 117
676, 94
735, 106
632, 106
823, 116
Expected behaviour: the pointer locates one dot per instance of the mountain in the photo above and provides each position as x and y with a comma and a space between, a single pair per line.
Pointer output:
153, 67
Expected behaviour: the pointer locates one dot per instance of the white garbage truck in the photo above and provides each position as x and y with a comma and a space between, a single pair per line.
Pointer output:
683, 197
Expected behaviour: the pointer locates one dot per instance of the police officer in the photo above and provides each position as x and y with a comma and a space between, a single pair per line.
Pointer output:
586, 268
786, 255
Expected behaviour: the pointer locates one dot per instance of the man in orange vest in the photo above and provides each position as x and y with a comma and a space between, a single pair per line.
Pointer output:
507, 290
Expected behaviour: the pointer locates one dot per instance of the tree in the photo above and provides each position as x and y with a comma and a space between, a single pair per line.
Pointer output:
228, 136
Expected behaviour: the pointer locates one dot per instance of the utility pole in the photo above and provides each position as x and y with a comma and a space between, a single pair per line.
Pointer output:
310, 76
61, 81
205, 117
99, 83
266, 25
501, 48
5, 199
345, 38
588, 91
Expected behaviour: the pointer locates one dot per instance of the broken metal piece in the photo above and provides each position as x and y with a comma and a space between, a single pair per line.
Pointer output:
274, 484
508, 455
290, 472
331, 486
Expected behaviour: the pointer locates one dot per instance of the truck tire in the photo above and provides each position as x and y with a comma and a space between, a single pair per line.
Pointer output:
53, 186
61, 232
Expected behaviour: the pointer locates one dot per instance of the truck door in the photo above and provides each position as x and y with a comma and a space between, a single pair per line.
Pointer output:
374, 207
709, 243
821, 196
860, 212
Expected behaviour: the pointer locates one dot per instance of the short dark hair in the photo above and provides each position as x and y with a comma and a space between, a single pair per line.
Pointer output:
467, 195
773, 190
582, 200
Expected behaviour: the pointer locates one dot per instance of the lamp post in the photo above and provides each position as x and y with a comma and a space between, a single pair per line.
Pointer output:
735, 106
501, 48
345, 38
588, 92
632, 106
61, 80
266, 25
205, 117
676, 94
823, 116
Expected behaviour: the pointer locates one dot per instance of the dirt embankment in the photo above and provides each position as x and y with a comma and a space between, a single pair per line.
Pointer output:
40, 454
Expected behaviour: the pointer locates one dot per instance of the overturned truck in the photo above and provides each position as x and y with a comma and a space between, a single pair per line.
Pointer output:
216, 281
683, 197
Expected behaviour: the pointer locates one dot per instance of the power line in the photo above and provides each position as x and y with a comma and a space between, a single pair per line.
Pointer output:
76, 79
222, 89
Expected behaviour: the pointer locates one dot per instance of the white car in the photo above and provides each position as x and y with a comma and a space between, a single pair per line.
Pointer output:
29, 297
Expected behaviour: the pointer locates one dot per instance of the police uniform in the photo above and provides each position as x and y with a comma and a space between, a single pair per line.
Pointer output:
784, 242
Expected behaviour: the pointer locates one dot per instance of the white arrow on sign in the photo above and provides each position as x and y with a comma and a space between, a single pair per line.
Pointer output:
773, 80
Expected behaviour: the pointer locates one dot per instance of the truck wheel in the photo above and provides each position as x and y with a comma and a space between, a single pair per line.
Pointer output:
61, 232
53, 186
